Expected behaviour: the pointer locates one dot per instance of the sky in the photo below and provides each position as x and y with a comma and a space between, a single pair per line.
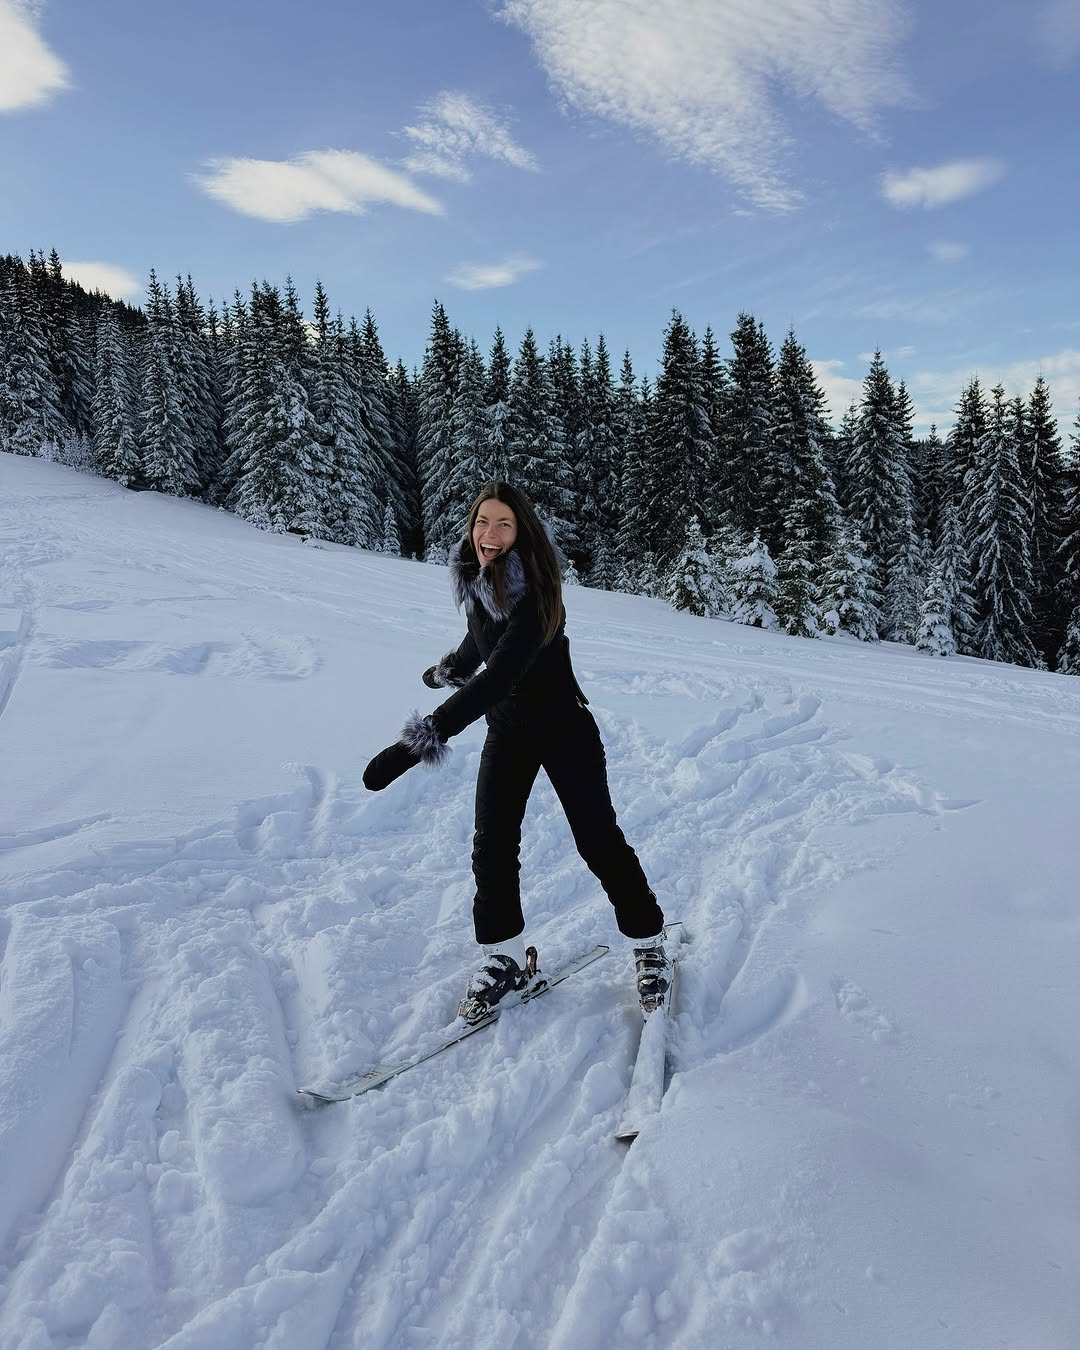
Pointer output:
876, 174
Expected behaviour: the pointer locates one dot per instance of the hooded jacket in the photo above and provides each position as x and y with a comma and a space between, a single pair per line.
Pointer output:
525, 679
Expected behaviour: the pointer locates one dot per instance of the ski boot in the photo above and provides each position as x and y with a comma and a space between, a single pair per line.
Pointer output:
505, 970
653, 969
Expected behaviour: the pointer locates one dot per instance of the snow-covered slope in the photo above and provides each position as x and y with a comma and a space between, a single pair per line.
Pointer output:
871, 1138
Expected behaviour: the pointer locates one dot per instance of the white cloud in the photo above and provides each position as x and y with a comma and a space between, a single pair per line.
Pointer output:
100, 276
946, 251
456, 128
486, 276
1061, 370
319, 180
840, 390
30, 74
704, 76
941, 185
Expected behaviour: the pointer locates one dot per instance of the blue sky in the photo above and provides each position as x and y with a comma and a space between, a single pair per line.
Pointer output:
874, 173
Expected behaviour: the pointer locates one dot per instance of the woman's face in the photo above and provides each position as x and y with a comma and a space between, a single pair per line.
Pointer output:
494, 532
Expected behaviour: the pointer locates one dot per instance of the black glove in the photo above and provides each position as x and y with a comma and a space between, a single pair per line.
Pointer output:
431, 677
387, 765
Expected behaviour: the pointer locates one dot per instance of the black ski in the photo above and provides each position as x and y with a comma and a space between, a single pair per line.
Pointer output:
382, 1073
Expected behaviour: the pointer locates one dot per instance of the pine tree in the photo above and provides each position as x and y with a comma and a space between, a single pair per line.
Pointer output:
689, 584
796, 605
935, 635
1068, 557
196, 390
70, 345
496, 448
1044, 469
538, 464
848, 601
746, 446
715, 487
167, 448
754, 588
679, 445
635, 572
953, 566
434, 435
31, 418
469, 425
600, 513
116, 431
999, 513
341, 469
802, 503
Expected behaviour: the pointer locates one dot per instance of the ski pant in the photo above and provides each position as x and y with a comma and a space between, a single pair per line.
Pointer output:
568, 748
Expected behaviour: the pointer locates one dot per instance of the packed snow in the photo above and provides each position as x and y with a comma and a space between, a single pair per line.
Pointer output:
871, 1136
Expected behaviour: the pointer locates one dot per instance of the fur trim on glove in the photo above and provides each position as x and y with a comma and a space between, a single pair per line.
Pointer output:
419, 736
444, 673
469, 583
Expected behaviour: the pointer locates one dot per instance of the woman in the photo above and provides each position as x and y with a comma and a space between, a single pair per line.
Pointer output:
506, 574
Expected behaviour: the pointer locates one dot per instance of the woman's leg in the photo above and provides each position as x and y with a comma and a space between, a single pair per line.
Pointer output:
574, 760
508, 769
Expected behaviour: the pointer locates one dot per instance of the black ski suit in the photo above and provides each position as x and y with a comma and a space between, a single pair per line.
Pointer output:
537, 718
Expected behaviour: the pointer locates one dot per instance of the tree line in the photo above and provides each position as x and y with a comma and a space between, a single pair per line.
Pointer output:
721, 484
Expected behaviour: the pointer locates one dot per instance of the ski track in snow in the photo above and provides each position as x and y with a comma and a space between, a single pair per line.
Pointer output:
161, 1000
198, 980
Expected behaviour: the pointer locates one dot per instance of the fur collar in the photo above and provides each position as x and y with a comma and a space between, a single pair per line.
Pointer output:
470, 584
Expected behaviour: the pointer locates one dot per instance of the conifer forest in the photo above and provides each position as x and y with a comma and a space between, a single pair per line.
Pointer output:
721, 485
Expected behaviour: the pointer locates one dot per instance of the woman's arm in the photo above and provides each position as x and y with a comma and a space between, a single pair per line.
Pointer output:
511, 657
456, 667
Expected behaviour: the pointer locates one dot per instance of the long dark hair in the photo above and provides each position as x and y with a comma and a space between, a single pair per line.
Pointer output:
533, 546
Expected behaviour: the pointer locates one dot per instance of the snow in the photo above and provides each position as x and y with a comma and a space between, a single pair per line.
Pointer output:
870, 1136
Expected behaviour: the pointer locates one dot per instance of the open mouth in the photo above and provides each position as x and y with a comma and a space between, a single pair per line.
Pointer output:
486, 551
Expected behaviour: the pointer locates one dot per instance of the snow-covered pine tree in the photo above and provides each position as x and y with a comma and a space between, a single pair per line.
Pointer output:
277, 489
31, 419
391, 540
634, 573
848, 600
998, 512
538, 464
935, 635
341, 464
116, 429
796, 591
714, 493
235, 358
679, 446
379, 437
196, 389
746, 447
843, 458
166, 445
964, 446
69, 341
1044, 467
953, 566
405, 421
434, 435
495, 449
600, 446
1068, 659
754, 594
802, 502
880, 497
689, 583
568, 410
905, 559
469, 425
931, 485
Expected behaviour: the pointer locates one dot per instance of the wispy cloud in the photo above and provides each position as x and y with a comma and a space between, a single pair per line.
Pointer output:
704, 76
455, 128
947, 251
941, 185
101, 276
941, 389
486, 276
320, 180
30, 74
840, 390
1057, 31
